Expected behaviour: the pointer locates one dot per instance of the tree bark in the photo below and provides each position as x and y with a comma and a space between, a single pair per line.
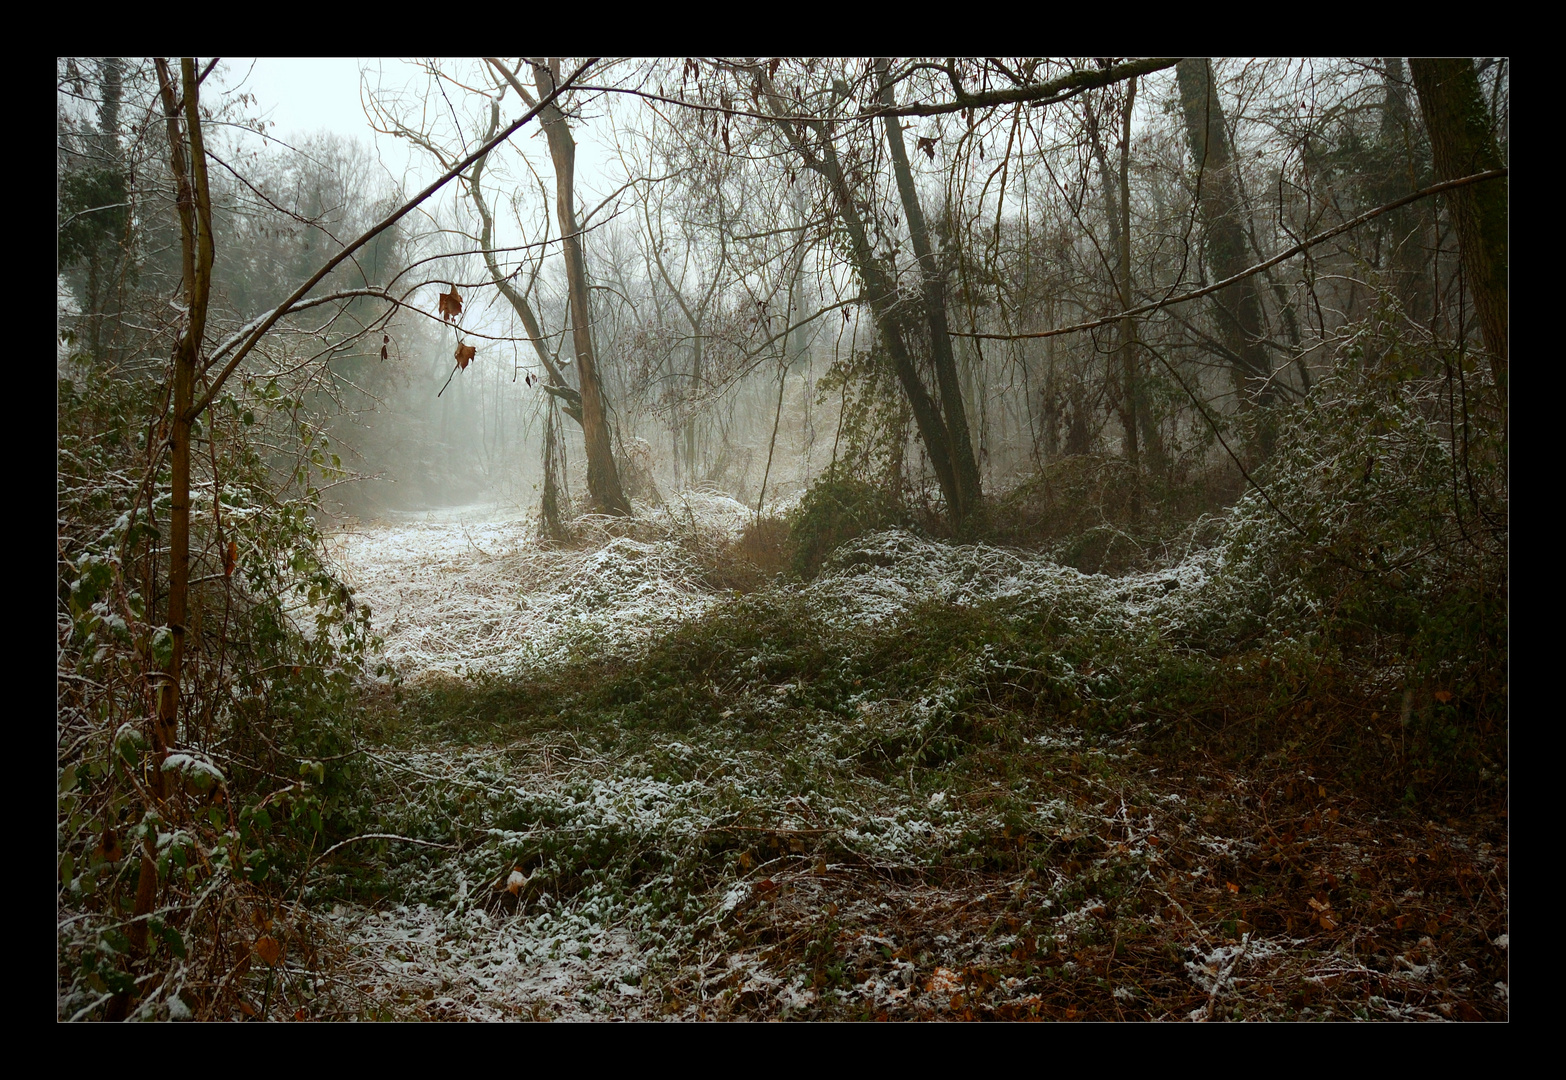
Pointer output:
1461, 144
1238, 307
603, 479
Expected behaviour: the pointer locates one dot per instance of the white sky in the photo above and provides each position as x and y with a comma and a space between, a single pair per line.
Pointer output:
302, 96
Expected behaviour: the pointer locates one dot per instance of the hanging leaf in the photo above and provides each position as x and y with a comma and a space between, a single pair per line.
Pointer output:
450, 305
464, 356
230, 558
267, 949
772, 67
928, 146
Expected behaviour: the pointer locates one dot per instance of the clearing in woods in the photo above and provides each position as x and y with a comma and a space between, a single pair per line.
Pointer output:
889, 793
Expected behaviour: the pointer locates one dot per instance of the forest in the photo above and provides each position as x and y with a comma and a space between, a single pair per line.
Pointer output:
767, 538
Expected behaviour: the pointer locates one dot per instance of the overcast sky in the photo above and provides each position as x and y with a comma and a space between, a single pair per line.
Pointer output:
306, 95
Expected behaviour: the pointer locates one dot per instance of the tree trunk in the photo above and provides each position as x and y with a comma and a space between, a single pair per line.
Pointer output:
1405, 228
1136, 425
1223, 235
959, 443
195, 215
603, 479
1462, 144
881, 294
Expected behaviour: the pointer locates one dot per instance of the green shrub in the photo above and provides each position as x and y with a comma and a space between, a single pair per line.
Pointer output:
835, 509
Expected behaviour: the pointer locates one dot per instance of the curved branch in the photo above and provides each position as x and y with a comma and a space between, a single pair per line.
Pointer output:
375, 230
1304, 245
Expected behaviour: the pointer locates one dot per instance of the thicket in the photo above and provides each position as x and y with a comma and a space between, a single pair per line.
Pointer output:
266, 777
1367, 557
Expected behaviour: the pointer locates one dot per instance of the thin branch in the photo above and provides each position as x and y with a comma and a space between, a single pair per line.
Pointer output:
1304, 245
288, 305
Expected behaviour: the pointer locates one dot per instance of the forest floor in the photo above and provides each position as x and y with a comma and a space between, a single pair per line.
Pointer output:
846, 821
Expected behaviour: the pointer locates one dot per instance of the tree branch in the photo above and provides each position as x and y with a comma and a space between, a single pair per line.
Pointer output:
1425, 193
288, 305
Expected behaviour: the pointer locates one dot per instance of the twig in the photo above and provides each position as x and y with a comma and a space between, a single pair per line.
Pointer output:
382, 836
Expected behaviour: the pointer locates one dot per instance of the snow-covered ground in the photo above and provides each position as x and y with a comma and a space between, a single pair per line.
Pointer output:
472, 589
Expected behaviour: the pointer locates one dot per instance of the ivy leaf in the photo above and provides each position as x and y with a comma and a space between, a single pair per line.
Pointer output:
162, 646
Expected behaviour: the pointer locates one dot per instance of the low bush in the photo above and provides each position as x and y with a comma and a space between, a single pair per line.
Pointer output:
835, 509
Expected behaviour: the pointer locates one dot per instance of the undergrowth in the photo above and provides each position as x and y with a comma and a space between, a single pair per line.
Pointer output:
919, 715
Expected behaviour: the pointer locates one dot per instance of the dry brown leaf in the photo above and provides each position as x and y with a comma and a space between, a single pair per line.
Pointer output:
230, 558
464, 356
450, 304
268, 950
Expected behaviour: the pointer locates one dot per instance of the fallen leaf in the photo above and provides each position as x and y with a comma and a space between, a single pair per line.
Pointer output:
1232, 887
1443, 696
515, 882
300, 1014
450, 304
